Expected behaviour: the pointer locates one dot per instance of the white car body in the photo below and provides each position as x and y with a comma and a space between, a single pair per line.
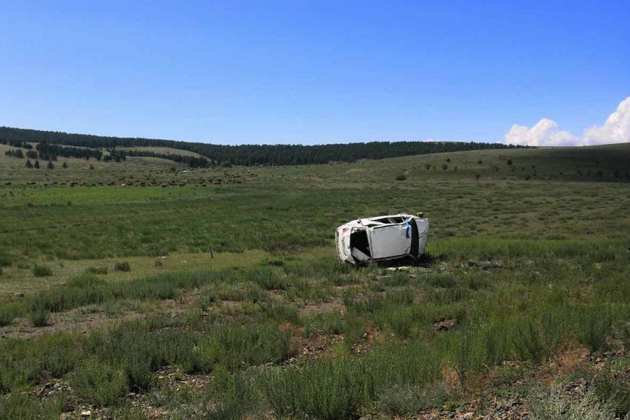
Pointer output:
382, 238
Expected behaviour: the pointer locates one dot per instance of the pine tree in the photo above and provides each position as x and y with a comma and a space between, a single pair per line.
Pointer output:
50, 165
29, 164
36, 164
65, 165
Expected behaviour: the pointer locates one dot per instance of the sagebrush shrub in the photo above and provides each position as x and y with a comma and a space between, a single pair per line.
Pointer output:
42, 271
39, 316
98, 383
408, 400
5, 261
324, 389
23, 406
613, 387
552, 405
122, 266
596, 324
233, 346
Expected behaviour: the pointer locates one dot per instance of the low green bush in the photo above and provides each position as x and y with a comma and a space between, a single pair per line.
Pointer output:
553, 405
27, 362
612, 386
122, 266
268, 278
527, 341
233, 347
596, 325
98, 383
339, 388
39, 316
7, 315
324, 389
5, 261
42, 271
23, 406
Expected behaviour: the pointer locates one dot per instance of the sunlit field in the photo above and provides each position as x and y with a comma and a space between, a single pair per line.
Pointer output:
148, 290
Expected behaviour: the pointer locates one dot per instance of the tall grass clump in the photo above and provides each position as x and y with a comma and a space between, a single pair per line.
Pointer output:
98, 383
28, 362
596, 324
122, 266
8, 312
233, 346
324, 389
137, 351
42, 271
235, 393
338, 388
527, 343
5, 261
612, 386
27, 407
39, 315
268, 278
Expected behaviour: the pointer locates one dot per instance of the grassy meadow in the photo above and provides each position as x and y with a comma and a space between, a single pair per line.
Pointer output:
148, 290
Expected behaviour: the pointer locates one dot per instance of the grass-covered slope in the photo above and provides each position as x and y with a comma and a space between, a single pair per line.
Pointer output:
135, 290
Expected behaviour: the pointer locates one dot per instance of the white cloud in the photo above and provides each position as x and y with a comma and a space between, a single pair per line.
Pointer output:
615, 130
546, 132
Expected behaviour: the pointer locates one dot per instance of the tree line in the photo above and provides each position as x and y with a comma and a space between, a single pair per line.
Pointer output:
49, 151
279, 154
14, 143
192, 161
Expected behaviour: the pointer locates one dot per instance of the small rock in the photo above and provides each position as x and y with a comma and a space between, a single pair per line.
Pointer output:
491, 266
18, 295
444, 325
403, 268
86, 413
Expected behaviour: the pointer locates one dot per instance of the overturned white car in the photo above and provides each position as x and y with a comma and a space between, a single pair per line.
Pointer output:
382, 238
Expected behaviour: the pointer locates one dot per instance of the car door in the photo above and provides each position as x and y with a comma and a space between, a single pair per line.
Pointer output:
389, 241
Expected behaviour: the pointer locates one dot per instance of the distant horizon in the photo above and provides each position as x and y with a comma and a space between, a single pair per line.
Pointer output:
299, 144
245, 144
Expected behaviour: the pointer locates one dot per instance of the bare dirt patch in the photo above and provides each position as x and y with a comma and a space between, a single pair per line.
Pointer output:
71, 321
335, 305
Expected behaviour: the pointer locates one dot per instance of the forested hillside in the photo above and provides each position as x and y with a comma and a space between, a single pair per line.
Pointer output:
251, 154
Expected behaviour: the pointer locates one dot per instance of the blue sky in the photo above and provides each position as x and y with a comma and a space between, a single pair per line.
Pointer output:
311, 71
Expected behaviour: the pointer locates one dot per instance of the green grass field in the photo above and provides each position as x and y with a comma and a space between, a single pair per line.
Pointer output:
144, 289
